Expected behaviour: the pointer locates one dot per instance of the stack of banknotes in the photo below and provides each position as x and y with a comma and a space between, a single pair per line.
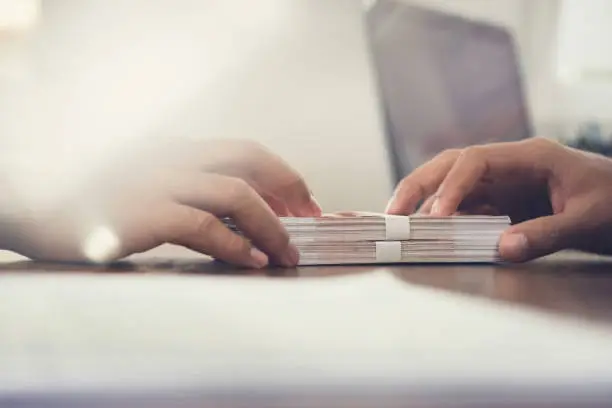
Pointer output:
368, 238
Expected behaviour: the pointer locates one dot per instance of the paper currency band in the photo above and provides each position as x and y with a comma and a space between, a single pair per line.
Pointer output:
397, 228
388, 251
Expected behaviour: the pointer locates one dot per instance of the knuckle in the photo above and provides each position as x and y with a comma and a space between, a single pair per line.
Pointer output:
237, 245
545, 153
203, 222
474, 159
453, 152
187, 225
472, 153
252, 147
237, 190
450, 154
542, 143
249, 143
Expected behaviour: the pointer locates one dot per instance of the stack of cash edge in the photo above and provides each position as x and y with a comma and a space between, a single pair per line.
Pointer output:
331, 240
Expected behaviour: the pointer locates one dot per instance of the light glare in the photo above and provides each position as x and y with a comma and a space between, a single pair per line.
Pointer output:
101, 245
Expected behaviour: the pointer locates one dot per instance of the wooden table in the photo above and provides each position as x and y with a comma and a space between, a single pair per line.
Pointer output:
570, 285
567, 283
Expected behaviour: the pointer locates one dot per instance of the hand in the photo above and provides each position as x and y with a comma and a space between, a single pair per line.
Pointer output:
278, 184
557, 197
172, 192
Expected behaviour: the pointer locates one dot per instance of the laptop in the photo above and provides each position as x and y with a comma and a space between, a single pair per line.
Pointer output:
445, 82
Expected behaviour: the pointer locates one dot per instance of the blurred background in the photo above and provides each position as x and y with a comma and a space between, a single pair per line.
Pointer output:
76, 75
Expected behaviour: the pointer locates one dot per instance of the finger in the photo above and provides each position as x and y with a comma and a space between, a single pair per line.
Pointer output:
484, 209
350, 214
232, 197
298, 199
269, 174
204, 233
477, 200
315, 207
535, 157
421, 183
277, 206
426, 206
537, 237
342, 214
479, 209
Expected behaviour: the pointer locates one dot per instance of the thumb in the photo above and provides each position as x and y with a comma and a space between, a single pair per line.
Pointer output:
537, 237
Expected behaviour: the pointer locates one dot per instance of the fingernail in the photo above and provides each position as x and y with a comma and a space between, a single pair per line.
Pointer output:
315, 206
391, 204
258, 258
392, 208
291, 257
435, 207
514, 246
422, 210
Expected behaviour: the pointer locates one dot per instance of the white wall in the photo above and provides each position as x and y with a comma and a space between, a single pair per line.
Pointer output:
311, 98
509, 13
585, 31
291, 74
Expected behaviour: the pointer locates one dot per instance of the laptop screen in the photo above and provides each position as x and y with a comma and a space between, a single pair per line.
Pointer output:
445, 82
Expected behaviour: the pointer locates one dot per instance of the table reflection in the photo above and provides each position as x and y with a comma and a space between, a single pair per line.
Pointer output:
566, 283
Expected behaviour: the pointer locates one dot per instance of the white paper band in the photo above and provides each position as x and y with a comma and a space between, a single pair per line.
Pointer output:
388, 251
397, 228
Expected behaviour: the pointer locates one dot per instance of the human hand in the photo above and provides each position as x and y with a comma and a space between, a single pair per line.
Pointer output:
276, 182
171, 192
557, 197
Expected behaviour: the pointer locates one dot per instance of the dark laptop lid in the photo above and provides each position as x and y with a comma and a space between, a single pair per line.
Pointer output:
445, 81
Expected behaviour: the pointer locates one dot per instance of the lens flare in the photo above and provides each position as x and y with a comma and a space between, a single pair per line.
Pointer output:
101, 245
